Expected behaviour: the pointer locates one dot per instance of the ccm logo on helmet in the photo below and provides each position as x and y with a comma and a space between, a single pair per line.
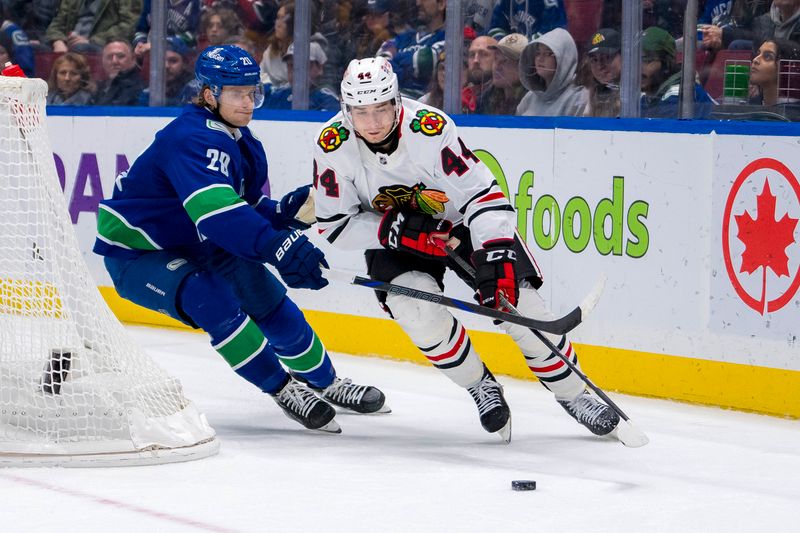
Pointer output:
367, 91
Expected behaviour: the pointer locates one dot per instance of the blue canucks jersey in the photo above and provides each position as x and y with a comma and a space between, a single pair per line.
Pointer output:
414, 55
196, 181
531, 18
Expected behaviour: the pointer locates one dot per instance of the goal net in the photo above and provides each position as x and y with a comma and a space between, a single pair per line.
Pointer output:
75, 390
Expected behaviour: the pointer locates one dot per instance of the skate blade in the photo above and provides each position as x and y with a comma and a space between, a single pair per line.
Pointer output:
385, 410
505, 432
629, 435
330, 427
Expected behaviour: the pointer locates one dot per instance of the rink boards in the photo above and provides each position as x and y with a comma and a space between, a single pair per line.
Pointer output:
696, 230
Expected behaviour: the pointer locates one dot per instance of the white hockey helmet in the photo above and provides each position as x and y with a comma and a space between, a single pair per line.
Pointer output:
369, 81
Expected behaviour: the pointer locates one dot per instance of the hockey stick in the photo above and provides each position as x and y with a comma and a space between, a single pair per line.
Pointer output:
559, 326
627, 433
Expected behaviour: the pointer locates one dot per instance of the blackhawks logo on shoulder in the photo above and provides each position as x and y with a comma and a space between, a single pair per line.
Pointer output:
428, 123
333, 136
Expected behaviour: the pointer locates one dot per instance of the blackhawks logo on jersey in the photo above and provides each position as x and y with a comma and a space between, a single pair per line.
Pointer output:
333, 136
416, 198
428, 123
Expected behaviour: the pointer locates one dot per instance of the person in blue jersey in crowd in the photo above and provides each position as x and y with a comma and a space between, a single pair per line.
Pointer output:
17, 47
413, 54
531, 18
661, 79
320, 98
187, 232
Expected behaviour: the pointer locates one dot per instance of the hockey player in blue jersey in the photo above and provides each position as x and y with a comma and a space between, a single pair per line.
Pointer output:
187, 232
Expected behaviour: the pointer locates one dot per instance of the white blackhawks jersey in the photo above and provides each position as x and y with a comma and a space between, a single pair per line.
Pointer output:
431, 171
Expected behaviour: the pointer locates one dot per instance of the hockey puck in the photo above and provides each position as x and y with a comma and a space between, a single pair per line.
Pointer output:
523, 484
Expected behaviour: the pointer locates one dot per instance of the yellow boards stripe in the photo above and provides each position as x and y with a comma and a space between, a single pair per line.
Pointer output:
29, 298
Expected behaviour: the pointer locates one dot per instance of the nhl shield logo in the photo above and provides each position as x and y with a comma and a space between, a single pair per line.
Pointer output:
333, 136
428, 123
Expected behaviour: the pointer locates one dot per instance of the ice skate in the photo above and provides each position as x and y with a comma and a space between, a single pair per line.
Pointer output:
362, 399
589, 411
492, 407
301, 404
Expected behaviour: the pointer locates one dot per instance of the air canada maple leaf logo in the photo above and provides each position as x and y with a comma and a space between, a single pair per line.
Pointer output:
766, 237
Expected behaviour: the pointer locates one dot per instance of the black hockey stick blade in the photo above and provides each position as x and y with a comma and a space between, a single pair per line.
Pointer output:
558, 326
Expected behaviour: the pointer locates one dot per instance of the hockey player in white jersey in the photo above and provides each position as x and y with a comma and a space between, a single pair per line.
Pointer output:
391, 178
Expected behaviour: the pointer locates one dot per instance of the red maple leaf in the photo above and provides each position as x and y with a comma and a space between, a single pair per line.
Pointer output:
765, 239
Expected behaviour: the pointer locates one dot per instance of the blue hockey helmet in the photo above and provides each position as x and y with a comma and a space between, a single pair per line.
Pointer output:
219, 66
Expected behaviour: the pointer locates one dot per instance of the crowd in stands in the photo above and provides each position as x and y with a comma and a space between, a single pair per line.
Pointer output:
530, 57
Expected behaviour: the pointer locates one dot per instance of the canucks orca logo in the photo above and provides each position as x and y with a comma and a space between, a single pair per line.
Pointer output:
333, 136
428, 123
416, 198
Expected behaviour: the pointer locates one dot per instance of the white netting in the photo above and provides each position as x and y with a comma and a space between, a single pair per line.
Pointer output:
74, 388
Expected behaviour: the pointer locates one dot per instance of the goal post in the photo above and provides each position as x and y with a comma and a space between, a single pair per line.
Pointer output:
75, 390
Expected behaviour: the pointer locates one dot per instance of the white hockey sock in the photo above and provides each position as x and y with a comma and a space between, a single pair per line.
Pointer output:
438, 335
553, 373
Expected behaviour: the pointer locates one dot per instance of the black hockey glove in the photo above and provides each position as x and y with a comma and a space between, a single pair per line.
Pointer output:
286, 212
494, 273
410, 231
298, 261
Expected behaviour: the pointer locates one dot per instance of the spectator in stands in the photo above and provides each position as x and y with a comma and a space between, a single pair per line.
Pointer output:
178, 74
337, 25
70, 81
32, 15
320, 98
244, 43
666, 14
17, 47
413, 53
506, 91
124, 84
605, 65
764, 73
661, 78
273, 67
480, 63
435, 95
85, 26
217, 25
478, 15
547, 70
376, 28
738, 29
404, 15
183, 17
530, 18
715, 11
258, 18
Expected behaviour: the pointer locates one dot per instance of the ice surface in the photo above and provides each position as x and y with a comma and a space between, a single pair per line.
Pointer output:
428, 466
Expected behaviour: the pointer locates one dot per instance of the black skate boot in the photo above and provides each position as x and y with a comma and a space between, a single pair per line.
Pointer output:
362, 399
492, 407
301, 404
599, 418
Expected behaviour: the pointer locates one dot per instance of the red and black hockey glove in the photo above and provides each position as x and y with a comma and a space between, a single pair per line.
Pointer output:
413, 232
494, 273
